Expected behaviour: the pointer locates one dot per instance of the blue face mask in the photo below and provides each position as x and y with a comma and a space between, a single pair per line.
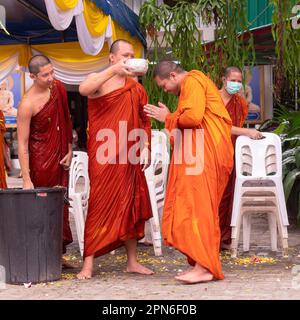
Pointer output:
233, 87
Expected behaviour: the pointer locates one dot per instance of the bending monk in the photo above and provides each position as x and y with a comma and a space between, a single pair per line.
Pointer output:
190, 218
2, 152
237, 108
119, 202
45, 133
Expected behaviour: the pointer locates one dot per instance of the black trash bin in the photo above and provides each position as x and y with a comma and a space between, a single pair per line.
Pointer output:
31, 227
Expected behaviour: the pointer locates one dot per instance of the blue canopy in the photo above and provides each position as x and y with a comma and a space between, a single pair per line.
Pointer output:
28, 23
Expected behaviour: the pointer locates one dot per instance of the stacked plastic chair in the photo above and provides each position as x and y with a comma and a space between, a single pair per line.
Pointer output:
259, 189
156, 177
79, 186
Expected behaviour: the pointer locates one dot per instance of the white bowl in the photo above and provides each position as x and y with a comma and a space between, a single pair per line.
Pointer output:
138, 66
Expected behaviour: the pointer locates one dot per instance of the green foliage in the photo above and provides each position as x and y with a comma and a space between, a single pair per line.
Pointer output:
287, 48
288, 122
174, 34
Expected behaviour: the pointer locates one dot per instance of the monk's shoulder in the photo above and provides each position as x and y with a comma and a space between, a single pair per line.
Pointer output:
57, 83
241, 100
27, 103
193, 80
140, 89
139, 86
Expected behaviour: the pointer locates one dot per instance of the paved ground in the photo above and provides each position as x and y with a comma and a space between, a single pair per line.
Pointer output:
259, 274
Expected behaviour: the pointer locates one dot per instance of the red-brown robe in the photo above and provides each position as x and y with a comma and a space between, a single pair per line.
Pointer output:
237, 108
119, 202
2, 163
50, 136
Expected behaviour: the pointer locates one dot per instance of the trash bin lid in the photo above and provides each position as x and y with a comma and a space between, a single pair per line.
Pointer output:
31, 191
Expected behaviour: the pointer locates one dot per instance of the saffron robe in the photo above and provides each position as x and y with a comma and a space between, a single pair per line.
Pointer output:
190, 218
237, 108
50, 136
119, 202
2, 163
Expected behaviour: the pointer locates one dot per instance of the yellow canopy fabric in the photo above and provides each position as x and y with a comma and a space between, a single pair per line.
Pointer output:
66, 4
23, 50
96, 21
68, 51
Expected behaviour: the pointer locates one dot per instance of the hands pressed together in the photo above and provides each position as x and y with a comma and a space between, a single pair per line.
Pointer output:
159, 112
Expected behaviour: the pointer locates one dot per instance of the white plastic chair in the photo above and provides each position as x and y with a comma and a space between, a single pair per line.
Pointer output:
259, 189
156, 177
79, 187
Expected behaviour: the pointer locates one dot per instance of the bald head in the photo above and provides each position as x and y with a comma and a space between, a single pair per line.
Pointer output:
229, 70
115, 47
164, 68
37, 62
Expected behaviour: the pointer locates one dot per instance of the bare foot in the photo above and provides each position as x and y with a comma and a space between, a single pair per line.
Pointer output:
138, 268
181, 273
197, 275
87, 269
84, 274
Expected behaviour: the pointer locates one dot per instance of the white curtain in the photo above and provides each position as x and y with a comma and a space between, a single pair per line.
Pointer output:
8, 66
75, 72
89, 44
59, 19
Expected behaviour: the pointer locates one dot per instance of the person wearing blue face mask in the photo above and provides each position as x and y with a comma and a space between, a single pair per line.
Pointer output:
237, 108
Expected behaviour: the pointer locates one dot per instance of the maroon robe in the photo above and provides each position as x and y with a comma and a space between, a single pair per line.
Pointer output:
237, 108
50, 136
119, 202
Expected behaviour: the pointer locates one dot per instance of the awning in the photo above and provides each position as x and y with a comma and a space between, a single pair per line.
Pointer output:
28, 22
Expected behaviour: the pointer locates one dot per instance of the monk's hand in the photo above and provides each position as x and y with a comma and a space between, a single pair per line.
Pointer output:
254, 134
159, 112
120, 68
66, 161
145, 158
27, 184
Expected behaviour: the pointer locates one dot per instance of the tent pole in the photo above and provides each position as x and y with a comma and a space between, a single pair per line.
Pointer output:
34, 10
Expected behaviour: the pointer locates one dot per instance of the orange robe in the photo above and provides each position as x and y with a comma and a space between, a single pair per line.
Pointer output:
50, 136
190, 219
119, 202
2, 164
237, 108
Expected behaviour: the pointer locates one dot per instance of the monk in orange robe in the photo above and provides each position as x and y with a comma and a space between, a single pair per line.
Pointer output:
2, 152
237, 108
45, 134
190, 217
119, 202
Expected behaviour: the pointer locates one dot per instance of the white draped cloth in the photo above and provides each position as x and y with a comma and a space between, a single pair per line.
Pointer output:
89, 44
75, 72
61, 19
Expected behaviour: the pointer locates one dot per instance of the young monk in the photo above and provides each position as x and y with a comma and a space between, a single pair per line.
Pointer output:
119, 202
190, 218
45, 134
237, 108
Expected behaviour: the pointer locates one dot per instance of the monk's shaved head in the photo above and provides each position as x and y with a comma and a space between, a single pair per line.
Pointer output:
164, 68
114, 48
37, 62
230, 69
